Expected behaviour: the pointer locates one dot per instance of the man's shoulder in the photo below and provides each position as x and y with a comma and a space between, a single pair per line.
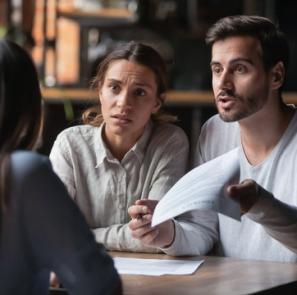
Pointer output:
216, 138
215, 123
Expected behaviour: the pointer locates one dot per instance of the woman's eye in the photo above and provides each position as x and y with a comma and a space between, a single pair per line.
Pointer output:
140, 92
114, 88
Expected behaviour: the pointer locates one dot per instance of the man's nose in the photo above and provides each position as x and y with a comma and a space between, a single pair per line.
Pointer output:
225, 81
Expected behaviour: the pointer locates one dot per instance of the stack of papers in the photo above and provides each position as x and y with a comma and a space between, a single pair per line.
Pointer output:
155, 267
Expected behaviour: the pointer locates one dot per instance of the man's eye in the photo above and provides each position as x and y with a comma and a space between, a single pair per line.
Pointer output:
216, 70
240, 69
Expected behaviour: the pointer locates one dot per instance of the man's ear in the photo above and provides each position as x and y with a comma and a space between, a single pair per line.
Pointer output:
278, 75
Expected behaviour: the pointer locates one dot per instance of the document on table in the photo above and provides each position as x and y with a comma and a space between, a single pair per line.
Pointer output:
203, 188
155, 267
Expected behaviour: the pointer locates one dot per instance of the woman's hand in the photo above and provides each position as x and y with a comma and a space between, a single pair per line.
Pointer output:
160, 236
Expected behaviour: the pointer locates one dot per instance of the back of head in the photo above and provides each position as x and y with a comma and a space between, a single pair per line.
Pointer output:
274, 44
20, 109
20, 99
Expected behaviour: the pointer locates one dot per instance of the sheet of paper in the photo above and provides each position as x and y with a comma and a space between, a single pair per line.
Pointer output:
155, 267
203, 188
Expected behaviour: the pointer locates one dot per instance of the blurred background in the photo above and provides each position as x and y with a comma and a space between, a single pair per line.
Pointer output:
68, 38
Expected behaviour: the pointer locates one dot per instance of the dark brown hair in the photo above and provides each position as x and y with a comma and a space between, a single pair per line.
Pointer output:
20, 108
141, 54
273, 42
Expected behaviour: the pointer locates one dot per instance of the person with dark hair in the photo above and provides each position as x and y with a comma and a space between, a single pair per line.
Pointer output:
126, 152
249, 63
41, 228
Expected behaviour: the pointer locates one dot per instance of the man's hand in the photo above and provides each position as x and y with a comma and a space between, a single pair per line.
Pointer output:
141, 213
245, 193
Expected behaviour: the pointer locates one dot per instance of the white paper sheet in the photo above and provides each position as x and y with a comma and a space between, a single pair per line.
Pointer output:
203, 188
155, 267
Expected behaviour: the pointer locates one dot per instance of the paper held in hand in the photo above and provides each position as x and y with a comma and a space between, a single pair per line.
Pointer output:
203, 188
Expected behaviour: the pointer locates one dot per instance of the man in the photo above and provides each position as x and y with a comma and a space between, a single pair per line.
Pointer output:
249, 61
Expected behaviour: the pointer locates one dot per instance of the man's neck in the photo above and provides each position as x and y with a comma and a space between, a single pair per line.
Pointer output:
261, 132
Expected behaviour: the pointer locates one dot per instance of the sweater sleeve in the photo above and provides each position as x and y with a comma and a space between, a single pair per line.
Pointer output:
196, 232
58, 236
279, 219
118, 237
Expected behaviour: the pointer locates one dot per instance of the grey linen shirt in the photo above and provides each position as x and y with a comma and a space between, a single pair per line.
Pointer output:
105, 188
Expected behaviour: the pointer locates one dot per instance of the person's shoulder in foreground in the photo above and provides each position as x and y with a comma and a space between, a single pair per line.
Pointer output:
49, 233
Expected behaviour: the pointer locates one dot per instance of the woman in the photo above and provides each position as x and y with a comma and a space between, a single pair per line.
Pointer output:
42, 230
127, 150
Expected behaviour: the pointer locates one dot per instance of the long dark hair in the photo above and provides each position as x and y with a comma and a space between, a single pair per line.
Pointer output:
20, 108
143, 55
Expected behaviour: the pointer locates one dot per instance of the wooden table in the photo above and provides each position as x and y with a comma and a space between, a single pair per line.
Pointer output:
216, 276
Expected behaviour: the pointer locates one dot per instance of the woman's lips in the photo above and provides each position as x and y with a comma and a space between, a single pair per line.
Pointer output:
122, 119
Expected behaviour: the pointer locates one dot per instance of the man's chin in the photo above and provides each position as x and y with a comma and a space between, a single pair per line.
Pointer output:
230, 117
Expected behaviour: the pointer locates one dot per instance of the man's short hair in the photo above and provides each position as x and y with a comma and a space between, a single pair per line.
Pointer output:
274, 45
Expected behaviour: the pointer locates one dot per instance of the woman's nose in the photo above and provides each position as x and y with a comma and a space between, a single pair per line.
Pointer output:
124, 100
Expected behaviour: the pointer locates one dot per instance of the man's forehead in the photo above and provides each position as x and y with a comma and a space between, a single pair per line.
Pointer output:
236, 48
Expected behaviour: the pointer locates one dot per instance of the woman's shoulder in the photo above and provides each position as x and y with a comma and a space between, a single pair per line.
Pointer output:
168, 128
77, 132
22, 158
27, 163
169, 132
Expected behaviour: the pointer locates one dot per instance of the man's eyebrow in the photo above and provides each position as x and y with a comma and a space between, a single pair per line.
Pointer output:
240, 59
233, 61
212, 63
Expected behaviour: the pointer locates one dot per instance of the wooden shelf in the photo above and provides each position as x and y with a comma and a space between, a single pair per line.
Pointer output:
101, 17
102, 12
173, 96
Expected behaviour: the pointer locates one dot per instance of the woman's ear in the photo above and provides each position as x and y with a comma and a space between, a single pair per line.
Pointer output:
278, 75
99, 94
159, 102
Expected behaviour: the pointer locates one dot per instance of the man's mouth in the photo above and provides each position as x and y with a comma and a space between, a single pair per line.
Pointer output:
226, 102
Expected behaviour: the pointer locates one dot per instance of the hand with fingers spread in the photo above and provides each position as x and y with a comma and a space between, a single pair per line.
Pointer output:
140, 225
245, 193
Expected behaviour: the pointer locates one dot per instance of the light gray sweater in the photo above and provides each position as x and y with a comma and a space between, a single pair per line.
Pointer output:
269, 230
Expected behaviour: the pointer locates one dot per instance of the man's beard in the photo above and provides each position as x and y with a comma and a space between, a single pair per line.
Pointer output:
249, 105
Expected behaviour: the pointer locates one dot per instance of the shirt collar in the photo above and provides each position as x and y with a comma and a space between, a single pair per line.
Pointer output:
140, 146
100, 147
102, 152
